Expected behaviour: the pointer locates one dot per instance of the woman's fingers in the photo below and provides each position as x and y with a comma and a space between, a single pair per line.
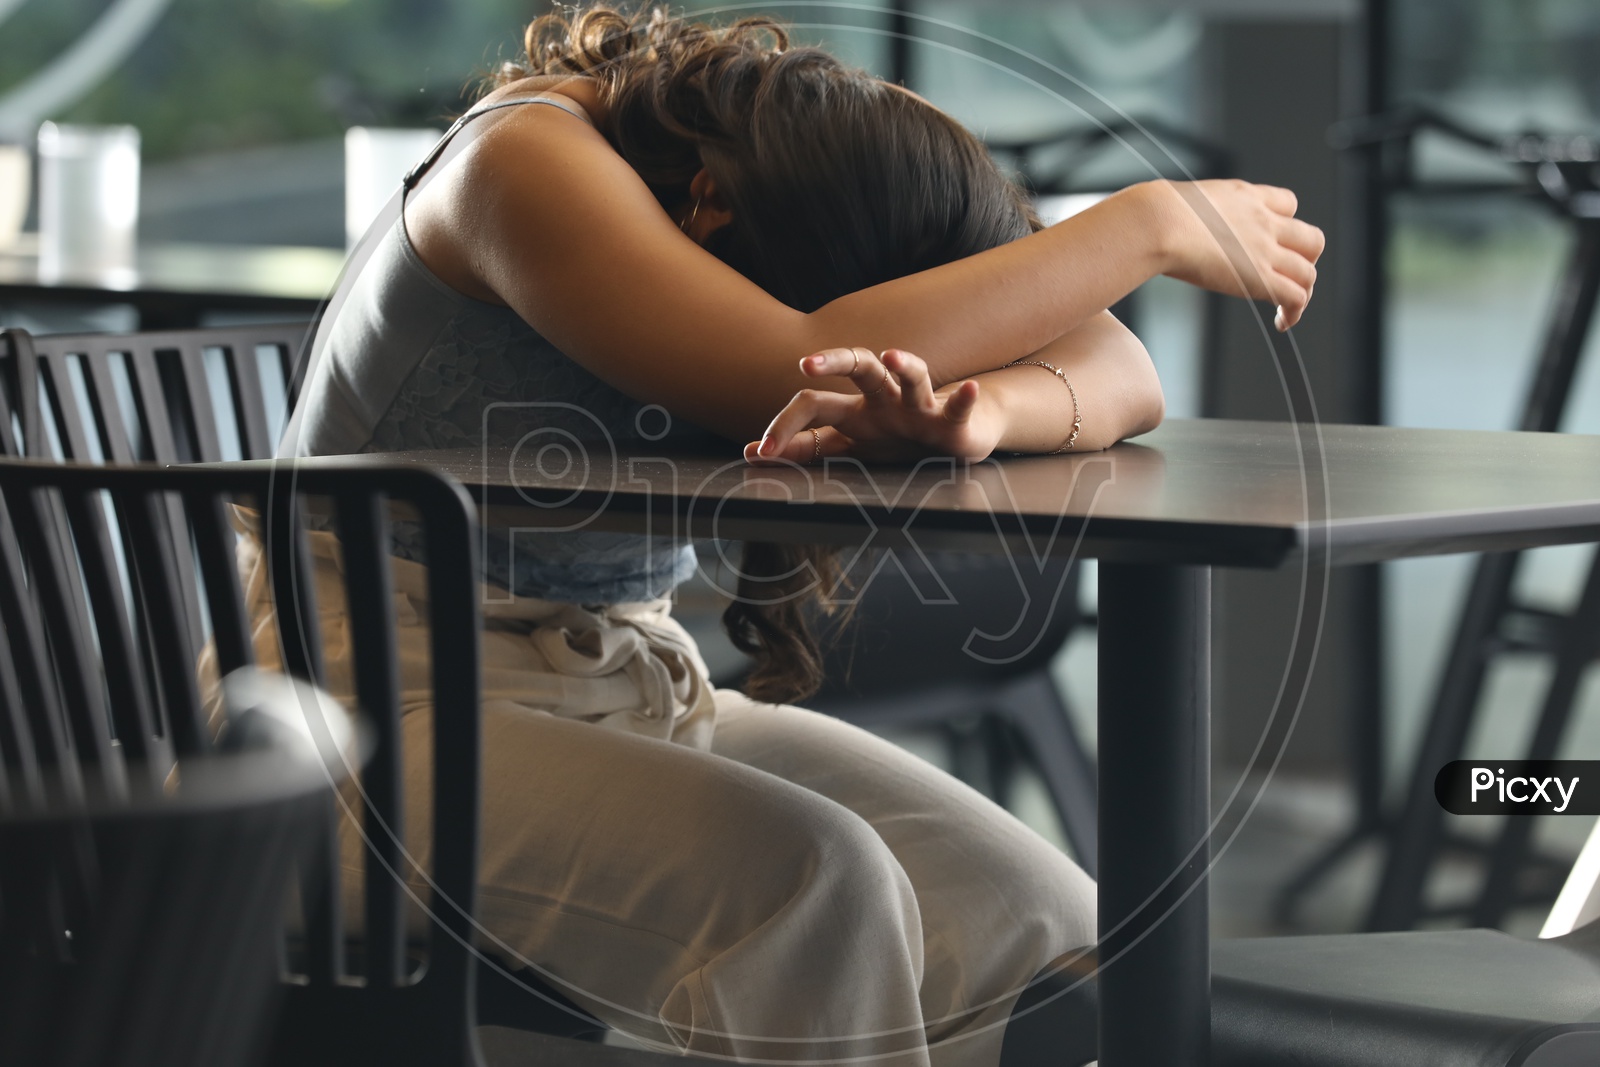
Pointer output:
864, 369
894, 375
1304, 238
960, 404
1279, 199
1292, 299
808, 408
800, 448
1250, 244
812, 425
1296, 268
916, 388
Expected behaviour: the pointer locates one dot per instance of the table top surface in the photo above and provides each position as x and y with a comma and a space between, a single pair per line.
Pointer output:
1203, 491
301, 274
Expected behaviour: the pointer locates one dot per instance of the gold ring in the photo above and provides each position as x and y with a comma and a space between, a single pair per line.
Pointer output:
881, 386
856, 352
816, 445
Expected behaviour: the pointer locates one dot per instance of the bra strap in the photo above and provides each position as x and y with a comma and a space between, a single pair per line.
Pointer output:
416, 173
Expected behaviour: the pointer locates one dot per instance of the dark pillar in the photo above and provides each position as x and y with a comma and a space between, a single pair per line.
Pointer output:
1277, 91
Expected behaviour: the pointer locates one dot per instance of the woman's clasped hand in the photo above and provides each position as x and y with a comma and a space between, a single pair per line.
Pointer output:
897, 414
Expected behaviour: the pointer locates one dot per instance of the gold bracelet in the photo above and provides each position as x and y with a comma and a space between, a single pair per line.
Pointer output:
1077, 412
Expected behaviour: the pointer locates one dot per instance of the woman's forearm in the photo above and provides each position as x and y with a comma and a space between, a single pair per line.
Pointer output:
1119, 394
897, 414
990, 309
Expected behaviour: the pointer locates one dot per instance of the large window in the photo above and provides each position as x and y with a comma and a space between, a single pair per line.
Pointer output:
242, 107
1472, 283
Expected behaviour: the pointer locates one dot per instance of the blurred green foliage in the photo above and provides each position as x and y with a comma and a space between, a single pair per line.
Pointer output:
214, 75
219, 74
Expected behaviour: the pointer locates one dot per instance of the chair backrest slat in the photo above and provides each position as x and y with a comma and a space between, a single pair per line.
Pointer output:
29, 653
364, 536
249, 405
189, 399
150, 401
11, 420
289, 574
57, 593
25, 382
17, 756
158, 558
117, 441
67, 405
230, 630
457, 730
127, 685
21, 382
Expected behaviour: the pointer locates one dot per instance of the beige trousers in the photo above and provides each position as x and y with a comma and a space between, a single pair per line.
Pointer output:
719, 876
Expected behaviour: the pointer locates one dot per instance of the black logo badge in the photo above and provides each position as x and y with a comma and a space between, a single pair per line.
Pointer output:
1519, 787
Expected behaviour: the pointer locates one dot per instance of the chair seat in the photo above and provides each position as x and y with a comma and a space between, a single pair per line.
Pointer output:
1455, 998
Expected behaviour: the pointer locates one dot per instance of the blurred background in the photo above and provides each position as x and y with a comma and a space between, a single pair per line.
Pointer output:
1441, 276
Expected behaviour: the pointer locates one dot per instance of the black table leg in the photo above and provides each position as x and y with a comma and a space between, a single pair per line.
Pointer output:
1155, 772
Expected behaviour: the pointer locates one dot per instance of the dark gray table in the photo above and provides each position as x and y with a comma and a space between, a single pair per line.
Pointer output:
174, 284
1158, 513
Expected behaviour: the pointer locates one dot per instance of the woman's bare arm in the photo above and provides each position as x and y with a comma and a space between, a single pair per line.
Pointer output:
1013, 409
1119, 394
541, 214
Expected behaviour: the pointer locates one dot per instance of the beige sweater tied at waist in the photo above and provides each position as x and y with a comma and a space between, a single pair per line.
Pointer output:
629, 667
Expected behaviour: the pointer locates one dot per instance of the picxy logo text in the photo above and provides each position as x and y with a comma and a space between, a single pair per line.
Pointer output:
1519, 787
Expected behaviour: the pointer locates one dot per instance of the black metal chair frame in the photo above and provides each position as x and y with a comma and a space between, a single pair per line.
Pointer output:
163, 378
128, 398
397, 1014
123, 398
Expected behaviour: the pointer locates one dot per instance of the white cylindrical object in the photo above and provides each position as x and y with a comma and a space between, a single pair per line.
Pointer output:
374, 162
13, 192
88, 202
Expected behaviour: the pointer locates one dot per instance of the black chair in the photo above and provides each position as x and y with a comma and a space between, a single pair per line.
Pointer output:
142, 867
1462, 998
139, 925
175, 397
408, 1000
1448, 998
206, 396
962, 644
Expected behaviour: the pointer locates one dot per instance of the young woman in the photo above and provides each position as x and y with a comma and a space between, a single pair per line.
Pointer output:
799, 259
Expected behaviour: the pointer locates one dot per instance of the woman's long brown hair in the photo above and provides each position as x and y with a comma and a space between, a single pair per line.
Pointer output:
836, 181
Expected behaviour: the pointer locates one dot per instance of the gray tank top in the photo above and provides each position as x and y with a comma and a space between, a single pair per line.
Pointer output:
412, 364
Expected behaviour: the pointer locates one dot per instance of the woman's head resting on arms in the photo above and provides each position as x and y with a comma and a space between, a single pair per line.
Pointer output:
809, 177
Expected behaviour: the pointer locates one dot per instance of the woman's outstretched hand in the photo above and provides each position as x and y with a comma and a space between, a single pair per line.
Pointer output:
1240, 239
897, 415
